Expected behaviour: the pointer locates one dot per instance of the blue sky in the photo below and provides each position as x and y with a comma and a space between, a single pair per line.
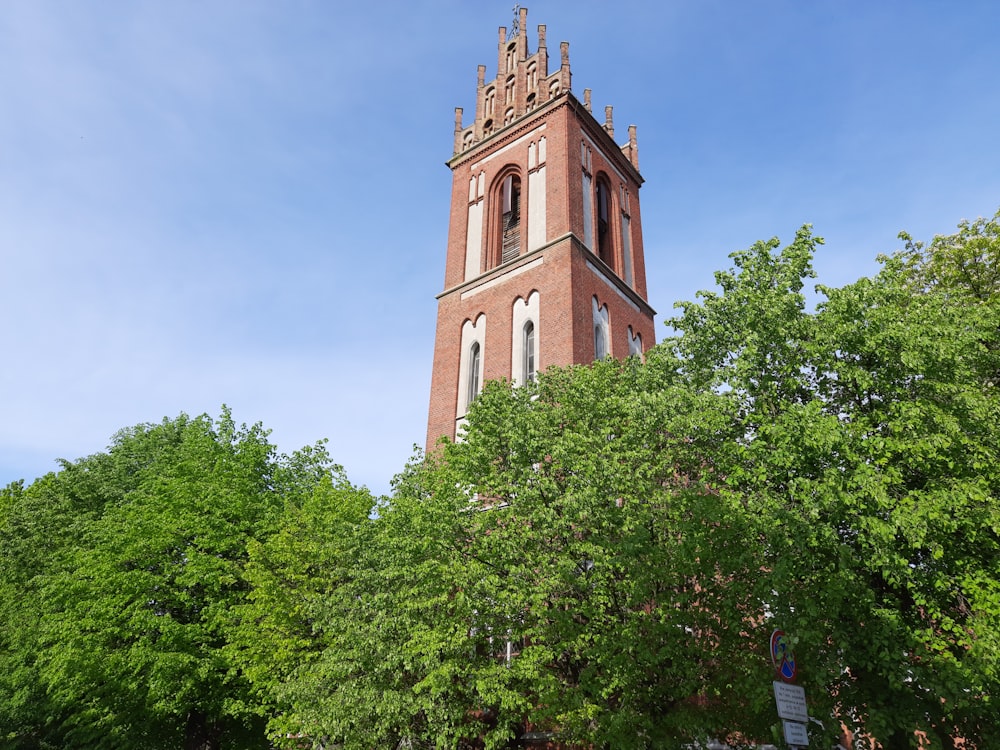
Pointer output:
246, 202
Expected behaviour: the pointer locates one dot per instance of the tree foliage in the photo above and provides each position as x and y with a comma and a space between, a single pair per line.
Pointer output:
865, 436
292, 575
124, 574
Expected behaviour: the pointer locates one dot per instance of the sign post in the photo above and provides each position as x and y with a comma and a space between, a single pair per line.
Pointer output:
790, 699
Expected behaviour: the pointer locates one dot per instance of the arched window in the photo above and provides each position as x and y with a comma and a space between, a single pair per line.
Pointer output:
508, 116
528, 352
510, 218
605, 250
471, 365
524, 338
475, 364
489, 104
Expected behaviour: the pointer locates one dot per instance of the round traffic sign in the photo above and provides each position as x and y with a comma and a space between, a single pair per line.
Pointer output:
782, 656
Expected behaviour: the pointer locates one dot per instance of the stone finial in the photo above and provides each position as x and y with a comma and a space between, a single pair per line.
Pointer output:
458, 129
586, 100
565, 78
480, 83
543, 53
501, 58
609, 123
633, 148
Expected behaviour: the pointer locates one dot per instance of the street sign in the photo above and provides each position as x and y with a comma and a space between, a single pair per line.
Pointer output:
789, 698
795, 734
782, 656
791, 701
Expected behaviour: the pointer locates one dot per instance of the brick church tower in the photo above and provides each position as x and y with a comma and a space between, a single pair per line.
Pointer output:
545, 263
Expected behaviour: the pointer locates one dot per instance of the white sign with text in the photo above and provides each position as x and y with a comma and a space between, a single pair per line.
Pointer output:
791, 700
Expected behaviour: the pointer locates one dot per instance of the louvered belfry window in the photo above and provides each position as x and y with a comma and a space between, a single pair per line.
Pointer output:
511, 219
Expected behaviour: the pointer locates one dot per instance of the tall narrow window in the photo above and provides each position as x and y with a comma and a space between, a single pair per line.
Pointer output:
604, 251
600, 342
602, 326
524, 338
529, 352
471, 367
474, 365
510, 220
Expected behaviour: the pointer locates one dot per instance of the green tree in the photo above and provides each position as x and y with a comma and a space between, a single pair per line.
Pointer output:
865, 436
40, 529
293, 574
130, 567
387, 620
